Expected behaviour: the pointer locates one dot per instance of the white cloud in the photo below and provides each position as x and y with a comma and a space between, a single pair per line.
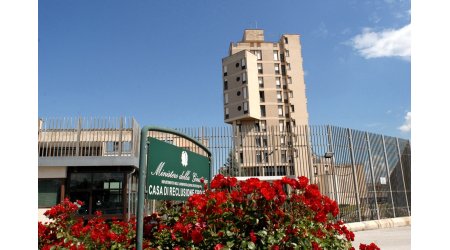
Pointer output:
386, 43
406, 127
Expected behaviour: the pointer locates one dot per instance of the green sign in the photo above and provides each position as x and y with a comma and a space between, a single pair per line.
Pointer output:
174, 173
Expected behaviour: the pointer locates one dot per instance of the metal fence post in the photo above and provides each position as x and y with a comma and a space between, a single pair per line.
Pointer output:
355, 180
78, 137
333, 164
372, 175
403, 177
388, 175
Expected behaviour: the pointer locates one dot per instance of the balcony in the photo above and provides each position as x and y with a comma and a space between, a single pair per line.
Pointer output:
88, 142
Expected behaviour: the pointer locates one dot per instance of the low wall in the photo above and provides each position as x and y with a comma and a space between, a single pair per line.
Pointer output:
376, 224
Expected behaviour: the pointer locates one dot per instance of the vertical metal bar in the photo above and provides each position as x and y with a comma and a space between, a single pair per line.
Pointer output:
120, 136
78, 137
388, 174
403, 177
369, 150
308, 153
355, 180
331, 148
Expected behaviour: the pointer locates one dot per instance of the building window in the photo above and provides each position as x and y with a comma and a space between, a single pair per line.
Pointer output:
245, 107
292, 108
238, 93
243, 64
237, 65
260, 68
258, 157
288, 66
225, 70
258, 44
286, 53
278, 82
280, 110
286, 41
49, 192
281, 125
238, 79
244, 91
226, 98
225, 84
264, 140
283, 156
283, 69
227, 113
261, 96
282, 140
263, 126
291, 94
241, 157
279, 96
258, 141
266, 156
261, 82
257, 128
239, 108
258, 54
275, 55
289, 80
102, 191
277, 68
244, 77
263, 110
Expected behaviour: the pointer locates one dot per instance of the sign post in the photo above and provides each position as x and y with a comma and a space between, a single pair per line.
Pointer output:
169, 172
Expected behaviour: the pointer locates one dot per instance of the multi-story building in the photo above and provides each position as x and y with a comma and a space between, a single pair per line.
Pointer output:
264, 88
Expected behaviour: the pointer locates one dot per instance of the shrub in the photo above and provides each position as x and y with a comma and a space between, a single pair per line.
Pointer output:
251, 214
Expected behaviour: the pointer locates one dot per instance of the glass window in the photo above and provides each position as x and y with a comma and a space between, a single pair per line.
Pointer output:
286, 40
49, 192
244, 77
278, 82
275, 55
263, 125
289, 80
225, 70
226, 98
291, 94
245, 107
243, 62
261, 96
263, 110
286, 53
281, 124
260, 68
279, 96
277, 68
261, 82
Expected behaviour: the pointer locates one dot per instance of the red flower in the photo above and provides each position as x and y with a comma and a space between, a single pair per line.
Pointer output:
315, 246
303, 181
253, 237
372, 246
196, 236
218, 247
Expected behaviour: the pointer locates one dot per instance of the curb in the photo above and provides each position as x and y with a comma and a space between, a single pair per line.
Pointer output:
376, 224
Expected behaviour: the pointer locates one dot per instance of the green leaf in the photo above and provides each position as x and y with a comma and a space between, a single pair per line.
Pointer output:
251, 245
262, 233
59, 235
229, 233
230, 244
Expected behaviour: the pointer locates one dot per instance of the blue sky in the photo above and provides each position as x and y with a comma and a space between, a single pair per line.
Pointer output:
160, 61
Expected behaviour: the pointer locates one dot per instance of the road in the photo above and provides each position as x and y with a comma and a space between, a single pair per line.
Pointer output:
396, 238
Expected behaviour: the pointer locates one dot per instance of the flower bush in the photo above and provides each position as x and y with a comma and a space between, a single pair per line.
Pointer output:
252, 214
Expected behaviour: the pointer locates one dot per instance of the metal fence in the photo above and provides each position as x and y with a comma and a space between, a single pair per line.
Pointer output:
368, 174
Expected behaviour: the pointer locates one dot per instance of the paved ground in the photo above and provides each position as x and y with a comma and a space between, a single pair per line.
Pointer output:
396, 238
